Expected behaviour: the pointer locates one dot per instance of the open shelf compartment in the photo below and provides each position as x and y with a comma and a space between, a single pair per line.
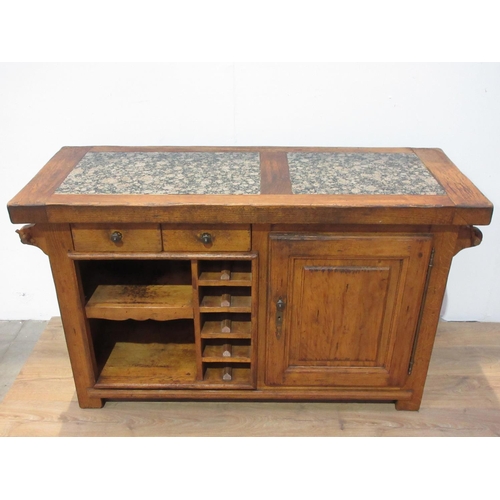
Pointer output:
146, 354
171, 323
227, 350
225, 299
225, 273
228, 374
226, 326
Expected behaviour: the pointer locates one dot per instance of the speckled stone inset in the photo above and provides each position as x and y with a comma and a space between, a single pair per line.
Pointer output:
361, 173
164, 173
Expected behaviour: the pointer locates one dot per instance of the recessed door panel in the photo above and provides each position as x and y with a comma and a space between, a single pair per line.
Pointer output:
352, 305
345, 302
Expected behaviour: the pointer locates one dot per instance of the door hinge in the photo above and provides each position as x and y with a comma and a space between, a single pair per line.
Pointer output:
421, 313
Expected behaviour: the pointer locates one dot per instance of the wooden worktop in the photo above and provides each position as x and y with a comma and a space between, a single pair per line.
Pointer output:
251, 185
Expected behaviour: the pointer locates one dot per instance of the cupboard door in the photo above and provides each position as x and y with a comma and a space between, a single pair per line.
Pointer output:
344, 309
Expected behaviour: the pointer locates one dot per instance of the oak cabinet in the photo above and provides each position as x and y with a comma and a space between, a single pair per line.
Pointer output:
219, 273
344, 308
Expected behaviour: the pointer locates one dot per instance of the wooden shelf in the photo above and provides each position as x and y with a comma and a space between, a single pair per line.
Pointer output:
141, 302
135, 364
216, 279
238, 304
214, 354
240, 376
238, 330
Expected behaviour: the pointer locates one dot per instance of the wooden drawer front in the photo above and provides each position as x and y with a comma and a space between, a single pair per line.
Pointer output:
206, 238
129, 238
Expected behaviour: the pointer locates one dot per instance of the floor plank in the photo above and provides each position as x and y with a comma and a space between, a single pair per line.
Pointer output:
17, 340
462, 398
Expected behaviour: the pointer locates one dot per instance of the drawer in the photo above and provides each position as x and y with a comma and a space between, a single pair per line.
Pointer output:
119, 238
185, 238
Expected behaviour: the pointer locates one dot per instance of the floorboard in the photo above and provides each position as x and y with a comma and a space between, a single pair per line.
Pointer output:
462, 398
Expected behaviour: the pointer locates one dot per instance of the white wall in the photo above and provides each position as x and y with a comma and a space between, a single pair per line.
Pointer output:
452, 106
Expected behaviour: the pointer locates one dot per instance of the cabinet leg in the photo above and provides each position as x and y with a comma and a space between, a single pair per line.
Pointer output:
408, 404
90, 402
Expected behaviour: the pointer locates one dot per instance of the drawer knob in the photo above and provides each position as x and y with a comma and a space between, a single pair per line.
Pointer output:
116, 236
206, 238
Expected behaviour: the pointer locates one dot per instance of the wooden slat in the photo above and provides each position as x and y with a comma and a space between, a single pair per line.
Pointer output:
238, 329
157, 302
215, 354
234, 375
195, 271
235, 279
211, 303
274, 176
158, 256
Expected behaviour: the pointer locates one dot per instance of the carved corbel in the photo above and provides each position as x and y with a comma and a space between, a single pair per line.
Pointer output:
33, 234
468, 236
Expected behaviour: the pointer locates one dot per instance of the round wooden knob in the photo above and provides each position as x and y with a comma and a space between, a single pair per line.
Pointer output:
116, 237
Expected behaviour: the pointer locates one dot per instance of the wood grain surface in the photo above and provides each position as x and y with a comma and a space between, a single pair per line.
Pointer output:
158, 302
461, 398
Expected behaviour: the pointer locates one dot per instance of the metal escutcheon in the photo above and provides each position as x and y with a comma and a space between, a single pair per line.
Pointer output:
280, 307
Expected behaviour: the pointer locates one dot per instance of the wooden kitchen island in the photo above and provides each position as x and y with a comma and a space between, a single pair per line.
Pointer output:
250, 273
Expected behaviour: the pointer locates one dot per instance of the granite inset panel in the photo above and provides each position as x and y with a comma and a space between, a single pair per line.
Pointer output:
361, 173
164, 173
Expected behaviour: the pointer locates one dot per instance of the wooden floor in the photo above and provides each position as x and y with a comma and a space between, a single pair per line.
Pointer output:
462, 398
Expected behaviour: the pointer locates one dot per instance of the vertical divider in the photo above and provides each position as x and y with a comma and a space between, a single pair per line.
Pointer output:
254, 319
197, 319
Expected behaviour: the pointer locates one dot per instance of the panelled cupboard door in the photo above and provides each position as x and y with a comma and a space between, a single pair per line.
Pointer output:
344, 309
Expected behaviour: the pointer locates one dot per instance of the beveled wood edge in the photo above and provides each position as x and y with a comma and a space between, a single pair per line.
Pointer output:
354, 228
149, 226
162, 255
253, 149
31, 201
203, 392
312, 237
236, 214
215, 226
248, 209
472, 206
255, 200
